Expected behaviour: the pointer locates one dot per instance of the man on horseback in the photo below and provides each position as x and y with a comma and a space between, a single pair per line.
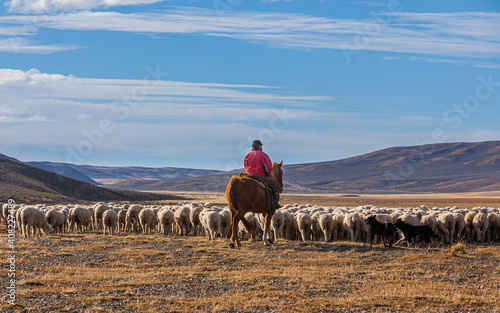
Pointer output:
257, 166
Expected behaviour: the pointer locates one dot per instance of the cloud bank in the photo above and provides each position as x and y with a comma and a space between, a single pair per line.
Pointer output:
49, 6
466, 34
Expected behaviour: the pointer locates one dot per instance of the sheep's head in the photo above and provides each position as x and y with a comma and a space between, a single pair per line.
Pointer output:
47, 229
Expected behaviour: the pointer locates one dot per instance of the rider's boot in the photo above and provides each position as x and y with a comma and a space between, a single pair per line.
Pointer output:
274, 200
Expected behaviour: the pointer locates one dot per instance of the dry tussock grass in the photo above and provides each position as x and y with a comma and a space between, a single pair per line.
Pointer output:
150, 273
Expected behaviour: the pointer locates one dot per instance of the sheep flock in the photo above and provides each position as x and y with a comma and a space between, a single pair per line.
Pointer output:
291, 222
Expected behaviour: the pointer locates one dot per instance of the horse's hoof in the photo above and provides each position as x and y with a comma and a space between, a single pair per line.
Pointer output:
231, 245
270, 241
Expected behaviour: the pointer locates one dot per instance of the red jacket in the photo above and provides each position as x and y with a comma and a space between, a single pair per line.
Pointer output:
253, 163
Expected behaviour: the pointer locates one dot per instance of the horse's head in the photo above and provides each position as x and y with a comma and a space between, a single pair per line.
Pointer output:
277, 173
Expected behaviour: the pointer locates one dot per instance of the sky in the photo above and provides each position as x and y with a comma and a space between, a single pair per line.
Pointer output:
192, 83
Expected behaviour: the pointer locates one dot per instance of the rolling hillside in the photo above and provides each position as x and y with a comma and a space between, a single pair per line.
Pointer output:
107, 174
449, 167
26, 184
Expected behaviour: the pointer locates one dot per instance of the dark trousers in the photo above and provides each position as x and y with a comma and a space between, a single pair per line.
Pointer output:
270, 182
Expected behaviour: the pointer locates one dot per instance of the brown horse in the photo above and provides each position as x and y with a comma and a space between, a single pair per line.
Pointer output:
245, 195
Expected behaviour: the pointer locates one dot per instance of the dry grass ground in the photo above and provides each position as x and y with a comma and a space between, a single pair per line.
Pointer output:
150, 273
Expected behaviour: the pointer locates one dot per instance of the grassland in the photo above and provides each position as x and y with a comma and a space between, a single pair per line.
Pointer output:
150, 273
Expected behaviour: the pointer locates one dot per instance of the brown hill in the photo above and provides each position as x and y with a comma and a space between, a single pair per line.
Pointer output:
26, 184
449, 167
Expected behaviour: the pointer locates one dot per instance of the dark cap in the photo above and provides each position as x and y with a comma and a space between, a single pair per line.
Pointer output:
256, 144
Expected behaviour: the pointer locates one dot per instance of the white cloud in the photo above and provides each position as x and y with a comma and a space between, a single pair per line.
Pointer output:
33, 76
489, 65
469, 34
435, 60
24, 45
190, 124
28, 119
48, 6
81, 100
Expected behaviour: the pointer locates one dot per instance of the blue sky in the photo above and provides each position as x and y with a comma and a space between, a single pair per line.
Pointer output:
192, 83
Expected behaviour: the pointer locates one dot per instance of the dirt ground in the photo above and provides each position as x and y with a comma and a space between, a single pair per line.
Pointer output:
130, 272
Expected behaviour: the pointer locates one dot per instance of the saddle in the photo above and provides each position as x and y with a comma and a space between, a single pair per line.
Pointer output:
260, 183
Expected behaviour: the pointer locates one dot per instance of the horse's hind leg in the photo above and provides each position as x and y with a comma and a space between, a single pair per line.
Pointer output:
234, 228
267, 228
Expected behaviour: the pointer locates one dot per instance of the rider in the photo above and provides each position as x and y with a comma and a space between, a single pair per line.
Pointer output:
258, 165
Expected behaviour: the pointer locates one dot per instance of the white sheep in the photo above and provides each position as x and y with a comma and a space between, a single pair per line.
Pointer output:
32, 219
304, 223
109, 222
147, 218
65, 212
352, 224
338, 227
480, 224
194, 217
325, 222
491, 234
430, 221
498, 226
181, 217
287, 225
317, 233
122, 219
81, 217
5, 212
277, 224
132, 217
55, 219
445, 224
365, 231
99, 209
165, 220
409, 218
469, 228
459, 226
18, 213
225, 223
210, 219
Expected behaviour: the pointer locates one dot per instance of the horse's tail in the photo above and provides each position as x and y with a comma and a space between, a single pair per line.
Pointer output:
231, 194
232, 190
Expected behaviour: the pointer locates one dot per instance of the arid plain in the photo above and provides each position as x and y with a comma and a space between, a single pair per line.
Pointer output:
128, 272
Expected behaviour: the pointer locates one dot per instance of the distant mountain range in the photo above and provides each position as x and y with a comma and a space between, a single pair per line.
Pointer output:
449, 167
25, 183
107, 175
